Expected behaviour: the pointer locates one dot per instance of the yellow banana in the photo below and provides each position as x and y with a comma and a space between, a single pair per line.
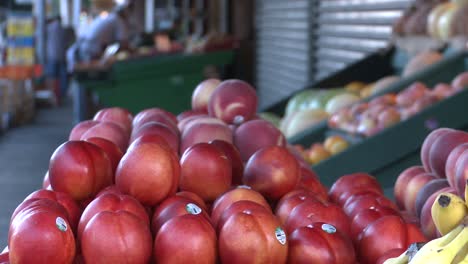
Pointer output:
448, 211
406, 256
444, 249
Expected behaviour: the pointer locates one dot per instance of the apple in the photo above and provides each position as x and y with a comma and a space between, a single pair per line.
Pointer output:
241, 193
5, 258
367, 216
70, 205
80, 169
109, 131
198, 241
113, 151
252, 236
117, 115
273, 171
460, 82
204, 130
411, 94
254, 135
292, 199
81, 128
414, 234
241, 206
154, 114
116, 237
441, 149
202, 93
399, 190
39, 204
186, 121
148, 172
386, 99
320, 243
233, 101
160, 129
190, 113
46, 182
382, 235
175, 206
442, 91
389, 117
111, 202
233, 155
357, 203
427, 224
412, 189
427, 145
427, 190
353, 182
309, 181
311, 211
450, 165
206, 171
41, 233
194, 197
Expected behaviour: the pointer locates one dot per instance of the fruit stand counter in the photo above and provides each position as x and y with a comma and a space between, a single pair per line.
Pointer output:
387, 153
165, 81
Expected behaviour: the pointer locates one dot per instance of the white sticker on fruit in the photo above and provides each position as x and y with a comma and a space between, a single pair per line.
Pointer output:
329, 228
193, 209
244, 187
61, 224
280, 235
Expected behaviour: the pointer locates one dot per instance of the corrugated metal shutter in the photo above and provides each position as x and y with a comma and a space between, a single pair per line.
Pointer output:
348, 30
283, 48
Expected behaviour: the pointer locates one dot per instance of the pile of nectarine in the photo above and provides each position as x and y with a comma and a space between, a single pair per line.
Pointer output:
213, 184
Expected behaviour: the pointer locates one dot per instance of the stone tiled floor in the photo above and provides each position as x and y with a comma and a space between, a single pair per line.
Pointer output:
24, 158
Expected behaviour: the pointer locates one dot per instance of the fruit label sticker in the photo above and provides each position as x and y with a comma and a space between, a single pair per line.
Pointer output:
193, 209
329, 228
244, 187
280, 235
61, 224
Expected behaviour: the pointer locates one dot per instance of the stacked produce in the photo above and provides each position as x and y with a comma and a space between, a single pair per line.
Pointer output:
371, 117
212, 184
312, 106
318, 152
439, 19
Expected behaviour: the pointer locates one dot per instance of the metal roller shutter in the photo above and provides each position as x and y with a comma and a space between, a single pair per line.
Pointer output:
348, 30
283, 48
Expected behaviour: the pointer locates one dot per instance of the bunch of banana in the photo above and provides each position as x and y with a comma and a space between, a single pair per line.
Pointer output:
449, 249
407, 255
448, 211
452, 248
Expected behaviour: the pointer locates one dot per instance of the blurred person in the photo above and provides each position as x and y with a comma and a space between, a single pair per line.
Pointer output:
107, 30
55, 57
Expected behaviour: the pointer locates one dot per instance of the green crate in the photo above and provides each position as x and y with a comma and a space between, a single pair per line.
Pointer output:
164, 81
442, 71
388, 153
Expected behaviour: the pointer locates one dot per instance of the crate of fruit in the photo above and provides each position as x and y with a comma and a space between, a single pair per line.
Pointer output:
385, 133
304, 114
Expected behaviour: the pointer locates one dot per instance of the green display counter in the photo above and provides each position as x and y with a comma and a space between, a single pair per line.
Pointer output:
165, 81
388, 153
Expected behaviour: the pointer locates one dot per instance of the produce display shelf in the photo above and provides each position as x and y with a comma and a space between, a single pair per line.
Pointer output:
388, 153
442, 71
165, 81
